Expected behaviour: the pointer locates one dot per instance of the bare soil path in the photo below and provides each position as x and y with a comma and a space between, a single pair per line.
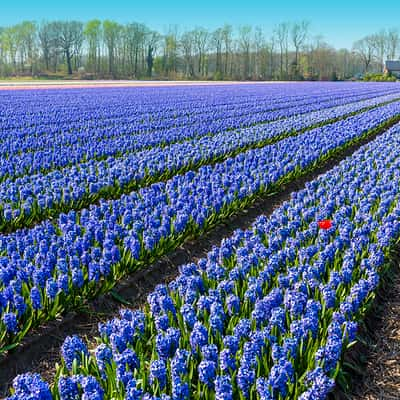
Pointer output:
379, 377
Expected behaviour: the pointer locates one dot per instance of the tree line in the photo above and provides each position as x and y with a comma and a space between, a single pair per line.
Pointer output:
108, 49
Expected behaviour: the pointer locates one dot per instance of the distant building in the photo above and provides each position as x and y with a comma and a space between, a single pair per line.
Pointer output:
393, 68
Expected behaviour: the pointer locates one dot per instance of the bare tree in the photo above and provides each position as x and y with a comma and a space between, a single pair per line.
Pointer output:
200, 37
25, 35
187, 45
170, 50
380, 45
217, 41
298, 34
47, 42
227, 40
321, 60
152, 40
244, 48
135, 35
282, 36
259, 53
93, 35
111, 32
70, 39
347, 65
132, 49
270, 48
3, 52
364, 48
393, 42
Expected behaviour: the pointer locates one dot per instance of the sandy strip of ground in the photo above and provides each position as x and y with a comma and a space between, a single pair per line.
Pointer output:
381, 376
21, 85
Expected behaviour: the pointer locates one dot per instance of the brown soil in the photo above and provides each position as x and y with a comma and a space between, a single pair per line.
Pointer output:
378, 355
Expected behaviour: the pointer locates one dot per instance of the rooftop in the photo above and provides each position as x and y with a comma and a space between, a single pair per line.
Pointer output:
393, 65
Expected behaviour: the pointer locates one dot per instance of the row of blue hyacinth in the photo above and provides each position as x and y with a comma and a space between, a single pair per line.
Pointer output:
126, 113
51, 267
36, 151
42, 156
267, 315
54, 107
146, 110
36, 197
104, 106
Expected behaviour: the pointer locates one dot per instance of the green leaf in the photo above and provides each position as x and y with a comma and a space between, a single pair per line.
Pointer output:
120, 299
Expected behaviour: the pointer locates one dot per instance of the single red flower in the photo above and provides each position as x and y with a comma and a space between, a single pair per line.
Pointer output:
325, 224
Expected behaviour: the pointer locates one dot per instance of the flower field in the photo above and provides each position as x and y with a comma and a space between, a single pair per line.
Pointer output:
98, 183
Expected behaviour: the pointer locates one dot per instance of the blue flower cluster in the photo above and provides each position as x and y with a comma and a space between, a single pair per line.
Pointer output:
301, 290
37, 194
122, 135
56, 262
59, 117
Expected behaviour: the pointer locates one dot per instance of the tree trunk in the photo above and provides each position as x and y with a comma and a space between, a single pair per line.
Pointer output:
150, 61
69, 64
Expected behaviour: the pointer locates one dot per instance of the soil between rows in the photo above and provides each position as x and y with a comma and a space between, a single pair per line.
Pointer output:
377, 355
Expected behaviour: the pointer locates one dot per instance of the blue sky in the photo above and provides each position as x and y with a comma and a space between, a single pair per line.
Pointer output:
339, 21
